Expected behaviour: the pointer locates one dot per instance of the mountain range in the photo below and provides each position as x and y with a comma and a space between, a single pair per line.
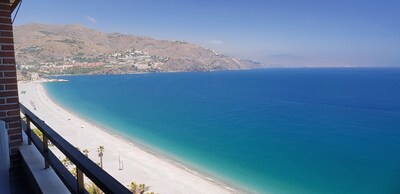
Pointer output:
75, 49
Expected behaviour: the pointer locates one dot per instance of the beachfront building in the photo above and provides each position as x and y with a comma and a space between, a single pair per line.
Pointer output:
27, 164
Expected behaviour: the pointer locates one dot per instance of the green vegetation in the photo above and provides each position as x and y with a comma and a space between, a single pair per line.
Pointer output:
66, 162
47, 32
141, 188
73, 171
135, 189
69, 165
92, 188
32, 50
70, 41
78, 70
82, 59
86, 152
38, 133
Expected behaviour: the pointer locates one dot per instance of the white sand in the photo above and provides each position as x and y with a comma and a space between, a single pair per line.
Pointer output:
160, 174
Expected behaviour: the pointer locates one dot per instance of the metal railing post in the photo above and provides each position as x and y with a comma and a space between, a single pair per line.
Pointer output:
79, 180
28, 130
46, 151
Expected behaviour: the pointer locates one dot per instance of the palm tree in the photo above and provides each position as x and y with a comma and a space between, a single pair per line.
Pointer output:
141, 188
133, 187
86, 152
100, 151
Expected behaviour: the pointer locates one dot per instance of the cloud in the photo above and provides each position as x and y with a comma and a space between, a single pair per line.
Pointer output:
216, 42
91, 19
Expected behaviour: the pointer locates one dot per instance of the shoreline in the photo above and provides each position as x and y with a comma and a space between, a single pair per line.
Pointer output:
213, 184
151, 150
250, 69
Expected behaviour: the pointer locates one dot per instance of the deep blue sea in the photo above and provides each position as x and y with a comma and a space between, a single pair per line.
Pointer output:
328, 130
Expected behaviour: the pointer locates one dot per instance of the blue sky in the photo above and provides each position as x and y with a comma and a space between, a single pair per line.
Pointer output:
279, 32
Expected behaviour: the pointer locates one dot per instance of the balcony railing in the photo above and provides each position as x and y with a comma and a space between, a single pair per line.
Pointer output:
84, 166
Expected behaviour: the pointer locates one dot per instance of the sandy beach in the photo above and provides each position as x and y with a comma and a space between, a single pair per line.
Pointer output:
160, 174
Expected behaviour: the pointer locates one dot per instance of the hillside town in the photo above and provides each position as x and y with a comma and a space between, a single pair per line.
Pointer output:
131, 60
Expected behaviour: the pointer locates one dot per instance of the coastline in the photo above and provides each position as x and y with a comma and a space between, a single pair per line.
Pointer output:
183, 179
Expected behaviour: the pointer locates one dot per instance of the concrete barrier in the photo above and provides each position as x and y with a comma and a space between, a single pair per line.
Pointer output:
4, 159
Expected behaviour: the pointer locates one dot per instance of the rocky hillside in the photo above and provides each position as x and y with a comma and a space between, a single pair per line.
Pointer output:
72, 49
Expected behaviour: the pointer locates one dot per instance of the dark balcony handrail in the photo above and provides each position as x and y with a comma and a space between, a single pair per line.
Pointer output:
83, 164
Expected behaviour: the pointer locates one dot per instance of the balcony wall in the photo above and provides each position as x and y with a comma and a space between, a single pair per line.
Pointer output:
9, 103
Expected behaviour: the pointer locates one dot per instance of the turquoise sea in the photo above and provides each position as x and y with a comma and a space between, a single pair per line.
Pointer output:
328, 130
